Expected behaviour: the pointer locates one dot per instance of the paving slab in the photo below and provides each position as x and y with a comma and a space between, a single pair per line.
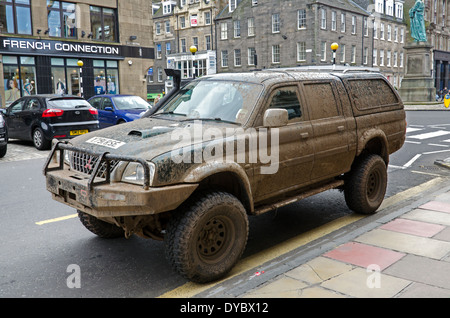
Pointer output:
364, 255
318, 270
422, 270
406, 243
363, 284
413, 227
418, 290
428, 216
444, 235
436, 206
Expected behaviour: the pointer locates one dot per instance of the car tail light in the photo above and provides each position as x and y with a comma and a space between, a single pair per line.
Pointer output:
93, 111
52, 112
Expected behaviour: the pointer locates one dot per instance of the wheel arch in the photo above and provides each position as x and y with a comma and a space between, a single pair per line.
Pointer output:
374, 142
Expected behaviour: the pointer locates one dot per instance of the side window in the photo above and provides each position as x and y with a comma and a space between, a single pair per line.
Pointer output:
286, 98
107, 103
96, 102
372, 93
321, 100
17, 107
32, 104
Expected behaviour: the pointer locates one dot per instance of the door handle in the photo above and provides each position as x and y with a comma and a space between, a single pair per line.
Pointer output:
341, 128
304, 135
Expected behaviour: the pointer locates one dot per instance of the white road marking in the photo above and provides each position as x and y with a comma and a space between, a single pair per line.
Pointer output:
431, 134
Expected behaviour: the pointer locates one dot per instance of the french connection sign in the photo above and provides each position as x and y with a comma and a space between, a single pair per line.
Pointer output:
10, 45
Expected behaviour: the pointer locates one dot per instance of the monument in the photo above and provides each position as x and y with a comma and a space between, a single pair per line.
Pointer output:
418, 83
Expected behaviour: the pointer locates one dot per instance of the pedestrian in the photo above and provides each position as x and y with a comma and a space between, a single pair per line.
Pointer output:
444, 92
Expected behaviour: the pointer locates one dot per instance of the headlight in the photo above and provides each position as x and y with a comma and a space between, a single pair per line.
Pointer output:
134, 173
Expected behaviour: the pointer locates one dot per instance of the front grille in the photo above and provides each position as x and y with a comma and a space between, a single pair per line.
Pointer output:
85, 163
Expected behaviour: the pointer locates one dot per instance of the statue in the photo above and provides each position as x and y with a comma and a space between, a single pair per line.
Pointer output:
418, 22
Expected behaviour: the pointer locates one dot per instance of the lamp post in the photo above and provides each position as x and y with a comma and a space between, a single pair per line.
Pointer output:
334, 47
80, 64
193, 50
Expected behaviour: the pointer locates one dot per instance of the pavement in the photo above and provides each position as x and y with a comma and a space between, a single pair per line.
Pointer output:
406, 256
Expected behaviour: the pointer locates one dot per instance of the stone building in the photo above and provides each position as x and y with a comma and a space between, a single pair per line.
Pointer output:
178, 26
42, 41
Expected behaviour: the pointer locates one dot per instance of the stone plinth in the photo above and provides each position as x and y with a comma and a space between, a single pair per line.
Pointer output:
418, 83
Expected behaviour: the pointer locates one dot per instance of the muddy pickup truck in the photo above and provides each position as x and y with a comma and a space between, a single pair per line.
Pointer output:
226, 146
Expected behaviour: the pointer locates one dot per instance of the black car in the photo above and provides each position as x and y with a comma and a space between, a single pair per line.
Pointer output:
3, 136
41, 118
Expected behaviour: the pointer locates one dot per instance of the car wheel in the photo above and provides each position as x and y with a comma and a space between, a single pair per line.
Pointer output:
3, 151
99, 227
206, 238
39, 140
365, 186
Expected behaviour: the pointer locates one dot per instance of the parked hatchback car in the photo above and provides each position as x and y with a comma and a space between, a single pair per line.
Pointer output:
118, 109
3, 135
41, 118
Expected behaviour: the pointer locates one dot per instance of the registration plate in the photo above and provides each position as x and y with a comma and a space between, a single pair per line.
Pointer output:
78, 132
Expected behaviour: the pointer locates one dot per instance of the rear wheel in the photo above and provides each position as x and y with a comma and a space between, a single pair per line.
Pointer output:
365, 186
99, 227
39, 140
206, 240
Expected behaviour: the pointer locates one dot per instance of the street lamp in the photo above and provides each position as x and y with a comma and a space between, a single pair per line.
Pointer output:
193, 50
80, 64
334, 47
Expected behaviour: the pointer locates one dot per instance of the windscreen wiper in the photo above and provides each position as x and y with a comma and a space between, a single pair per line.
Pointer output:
214, 119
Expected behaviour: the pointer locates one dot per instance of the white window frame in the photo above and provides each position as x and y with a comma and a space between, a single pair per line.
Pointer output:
276, 23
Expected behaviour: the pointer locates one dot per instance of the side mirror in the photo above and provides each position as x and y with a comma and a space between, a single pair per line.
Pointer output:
3, 111
275, 117
109, 109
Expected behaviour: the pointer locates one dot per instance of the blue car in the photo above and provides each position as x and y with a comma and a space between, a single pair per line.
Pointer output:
117, 109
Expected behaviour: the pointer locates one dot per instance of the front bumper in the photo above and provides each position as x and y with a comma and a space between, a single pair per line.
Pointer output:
102, 198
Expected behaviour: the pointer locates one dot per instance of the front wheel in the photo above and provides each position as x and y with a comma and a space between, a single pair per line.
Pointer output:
206, 240
365, 186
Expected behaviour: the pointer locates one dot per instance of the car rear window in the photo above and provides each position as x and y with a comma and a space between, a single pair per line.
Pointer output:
67, 103
372, 93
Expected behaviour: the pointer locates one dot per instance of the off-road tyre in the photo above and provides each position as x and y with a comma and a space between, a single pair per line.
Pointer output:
365, 185
100, 228
39, 140
3, 151
207, 236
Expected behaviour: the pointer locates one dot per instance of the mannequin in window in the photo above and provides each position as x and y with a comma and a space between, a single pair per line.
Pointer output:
60, 87
28, 87
111, 87
98, 88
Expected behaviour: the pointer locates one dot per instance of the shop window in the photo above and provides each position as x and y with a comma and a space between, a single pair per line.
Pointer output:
103, 24
106, 77
19, 77
15, 17
61, 17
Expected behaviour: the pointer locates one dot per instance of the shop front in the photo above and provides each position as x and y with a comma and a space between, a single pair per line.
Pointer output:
35, 66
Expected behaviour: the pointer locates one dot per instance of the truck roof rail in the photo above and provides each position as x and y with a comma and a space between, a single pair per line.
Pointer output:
335, 68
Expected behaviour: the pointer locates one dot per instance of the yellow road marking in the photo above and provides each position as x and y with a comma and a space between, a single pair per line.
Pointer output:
62, 218
191, 289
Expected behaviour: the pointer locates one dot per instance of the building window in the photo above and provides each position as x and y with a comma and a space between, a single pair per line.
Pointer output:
19, 77
237, 57
182, 22
396, 34
366, 27
183, 45
353, 24
168, 48
353, 58
365, 57
276, 53
275, 23
158, 51
223, 31
342, 52
395, 59
399, 10
15, 17
251, 56
301, 51
401, 59
158, 28
375, 30
342, 22
195, 41
301, 22
381, 57
160, 74
237, 28
232, 5
207, 18
382, 31
374, 57
388, 58
224, 58
61, 19
333, 20
208, 42
106, 77
323, 18
103, 24
389, 32
251, 26
402, 35
323, 51
167, 26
